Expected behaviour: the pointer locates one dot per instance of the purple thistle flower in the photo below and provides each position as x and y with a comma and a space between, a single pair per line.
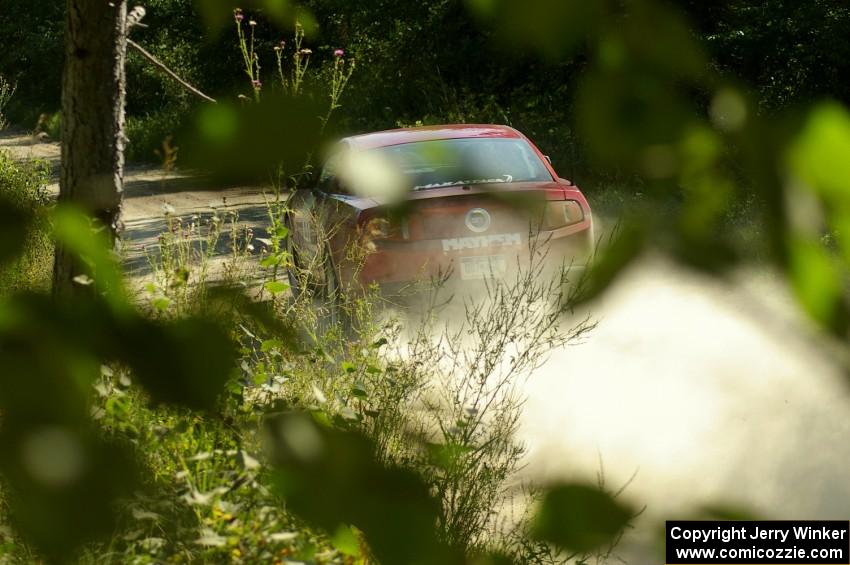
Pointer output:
257, 83
237, 14
338, 53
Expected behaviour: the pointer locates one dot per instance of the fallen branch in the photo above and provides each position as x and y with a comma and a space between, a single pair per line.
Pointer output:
159, 64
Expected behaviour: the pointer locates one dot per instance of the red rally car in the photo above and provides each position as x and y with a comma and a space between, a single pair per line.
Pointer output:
402, 205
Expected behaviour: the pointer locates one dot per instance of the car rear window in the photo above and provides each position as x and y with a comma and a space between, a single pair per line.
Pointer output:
447, 162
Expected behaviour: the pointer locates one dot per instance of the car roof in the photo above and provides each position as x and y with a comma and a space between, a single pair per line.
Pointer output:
428, 133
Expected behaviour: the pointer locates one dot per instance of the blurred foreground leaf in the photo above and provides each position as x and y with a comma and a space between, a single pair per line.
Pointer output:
63, 483
551, 27
331, 479
818, 202
819, 283
627, 244
185, 362
580, 518
92, 245
217, 14
63, 479
13, 229
249, 141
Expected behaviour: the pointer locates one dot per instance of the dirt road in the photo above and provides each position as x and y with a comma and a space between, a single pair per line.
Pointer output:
146, 190
713, 393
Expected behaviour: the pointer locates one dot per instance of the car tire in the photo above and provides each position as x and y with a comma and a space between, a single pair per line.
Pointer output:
324, 290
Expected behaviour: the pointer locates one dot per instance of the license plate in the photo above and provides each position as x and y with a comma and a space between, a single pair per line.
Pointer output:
482, 267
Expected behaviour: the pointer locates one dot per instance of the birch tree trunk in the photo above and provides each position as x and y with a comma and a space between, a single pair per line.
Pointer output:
93, 93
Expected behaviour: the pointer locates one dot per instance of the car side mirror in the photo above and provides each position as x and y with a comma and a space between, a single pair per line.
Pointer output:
330, 185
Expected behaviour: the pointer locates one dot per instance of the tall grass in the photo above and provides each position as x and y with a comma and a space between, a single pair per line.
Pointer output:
435, 384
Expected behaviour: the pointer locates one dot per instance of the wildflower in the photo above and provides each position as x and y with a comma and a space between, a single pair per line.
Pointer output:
282, 44
257, 83
306, 51
252, 23
237, 14
338, 53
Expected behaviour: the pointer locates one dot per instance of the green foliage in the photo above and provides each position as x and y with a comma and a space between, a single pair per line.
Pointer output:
23, 188
7, 90
147, 133
55, 465
32, 56
789, 52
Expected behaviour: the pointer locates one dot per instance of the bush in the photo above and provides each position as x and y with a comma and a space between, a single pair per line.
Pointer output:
147, 134
24, 183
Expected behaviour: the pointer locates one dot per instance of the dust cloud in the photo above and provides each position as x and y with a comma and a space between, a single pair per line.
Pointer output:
714, 392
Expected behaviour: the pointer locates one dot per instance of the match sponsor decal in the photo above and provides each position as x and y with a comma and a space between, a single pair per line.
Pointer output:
482, 242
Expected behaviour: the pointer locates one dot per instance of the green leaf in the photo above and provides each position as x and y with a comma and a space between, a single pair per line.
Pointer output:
821, 155
820, 158
217, 122
359, 390
331, 478
446, 455
259, 378
348, 367
272, 260
579, 518
161, 303
345, 541
818, 282
75, 230
271, 344
276, 287
185, 362
626, 246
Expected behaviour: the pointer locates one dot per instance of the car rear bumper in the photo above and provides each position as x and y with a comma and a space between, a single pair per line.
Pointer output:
472, 258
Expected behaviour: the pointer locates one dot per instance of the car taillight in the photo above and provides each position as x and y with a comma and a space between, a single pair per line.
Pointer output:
383, 228
563, 213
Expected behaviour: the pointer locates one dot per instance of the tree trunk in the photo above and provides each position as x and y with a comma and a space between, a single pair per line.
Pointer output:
93, 93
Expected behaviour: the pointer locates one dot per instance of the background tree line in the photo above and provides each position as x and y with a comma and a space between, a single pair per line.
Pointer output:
428, 61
